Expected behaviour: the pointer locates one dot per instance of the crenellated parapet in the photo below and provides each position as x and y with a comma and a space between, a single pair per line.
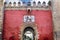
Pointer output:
33, 5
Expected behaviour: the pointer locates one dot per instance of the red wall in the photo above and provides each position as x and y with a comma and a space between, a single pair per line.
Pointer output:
14, 18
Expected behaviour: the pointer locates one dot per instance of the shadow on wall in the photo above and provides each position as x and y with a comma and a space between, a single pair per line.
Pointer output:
11, 38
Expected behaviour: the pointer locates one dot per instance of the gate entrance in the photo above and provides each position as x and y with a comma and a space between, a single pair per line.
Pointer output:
28, 34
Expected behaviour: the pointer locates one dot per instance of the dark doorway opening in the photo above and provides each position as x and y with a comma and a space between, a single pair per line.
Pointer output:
28, 34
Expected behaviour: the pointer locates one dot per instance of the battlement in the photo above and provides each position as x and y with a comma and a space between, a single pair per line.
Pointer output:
23, 5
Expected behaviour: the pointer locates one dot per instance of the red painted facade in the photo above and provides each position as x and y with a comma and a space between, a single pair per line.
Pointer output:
14, 18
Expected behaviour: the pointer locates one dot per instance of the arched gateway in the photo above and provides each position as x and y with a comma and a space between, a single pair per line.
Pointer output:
28, 34
29, 31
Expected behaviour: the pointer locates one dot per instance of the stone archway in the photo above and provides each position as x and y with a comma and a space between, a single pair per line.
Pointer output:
31, 27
